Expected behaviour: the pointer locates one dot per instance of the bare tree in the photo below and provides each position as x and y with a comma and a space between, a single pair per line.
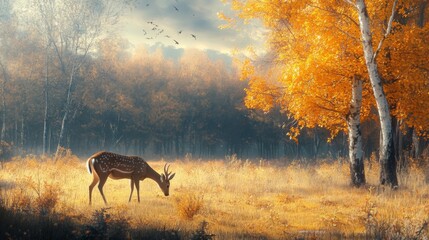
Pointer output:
5, 25
71, 29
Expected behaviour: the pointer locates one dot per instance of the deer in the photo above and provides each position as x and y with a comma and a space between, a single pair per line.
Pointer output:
103, 165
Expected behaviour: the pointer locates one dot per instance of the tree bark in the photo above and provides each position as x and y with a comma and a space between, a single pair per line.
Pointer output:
422, 9
357, 171
45, 118
415, 150
387, 157
316, 143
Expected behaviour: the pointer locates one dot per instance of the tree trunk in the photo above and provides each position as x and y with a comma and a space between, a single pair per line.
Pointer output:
22, 133
387, 158
422, 10
357, 171
415, 150
49, 139
66, 112
316, 143
3, 90
15, 132
398, 143
45, 118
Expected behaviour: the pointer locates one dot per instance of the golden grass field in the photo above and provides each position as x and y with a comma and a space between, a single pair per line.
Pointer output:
235, 197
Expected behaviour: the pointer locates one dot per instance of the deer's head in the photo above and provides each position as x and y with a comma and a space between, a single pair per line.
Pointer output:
165, 180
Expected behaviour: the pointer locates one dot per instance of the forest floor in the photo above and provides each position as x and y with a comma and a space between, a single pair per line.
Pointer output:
227, 199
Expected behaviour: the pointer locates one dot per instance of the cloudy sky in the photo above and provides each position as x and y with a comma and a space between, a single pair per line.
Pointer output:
163, 22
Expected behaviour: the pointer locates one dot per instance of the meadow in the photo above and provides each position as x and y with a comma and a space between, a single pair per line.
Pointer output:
222, 199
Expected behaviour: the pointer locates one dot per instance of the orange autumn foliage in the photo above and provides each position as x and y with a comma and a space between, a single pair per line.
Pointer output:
318, 52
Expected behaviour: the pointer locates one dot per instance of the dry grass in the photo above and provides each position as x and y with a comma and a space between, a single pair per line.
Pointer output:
236, 198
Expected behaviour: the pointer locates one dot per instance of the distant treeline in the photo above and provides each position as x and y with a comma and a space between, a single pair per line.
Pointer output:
142, 103
137, 101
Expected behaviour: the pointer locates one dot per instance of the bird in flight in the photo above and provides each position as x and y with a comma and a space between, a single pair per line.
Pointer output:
175, 8
194, 36
152, 23
144, 31
176, 41
180, 32
167, 36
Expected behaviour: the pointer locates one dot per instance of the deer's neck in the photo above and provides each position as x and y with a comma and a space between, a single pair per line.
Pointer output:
152, 174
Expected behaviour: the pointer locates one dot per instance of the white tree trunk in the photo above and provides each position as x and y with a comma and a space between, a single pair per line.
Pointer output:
387, 158
357, 171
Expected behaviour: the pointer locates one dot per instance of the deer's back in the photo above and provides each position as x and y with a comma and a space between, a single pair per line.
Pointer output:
108, 162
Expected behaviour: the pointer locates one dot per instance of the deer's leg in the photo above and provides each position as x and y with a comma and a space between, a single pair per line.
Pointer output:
137, 182
103, 179
132, 189
92, 185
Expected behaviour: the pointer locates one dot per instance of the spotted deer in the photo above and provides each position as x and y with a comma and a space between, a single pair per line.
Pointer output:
106, 164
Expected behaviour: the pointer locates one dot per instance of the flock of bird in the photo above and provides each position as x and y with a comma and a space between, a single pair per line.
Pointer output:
155, 30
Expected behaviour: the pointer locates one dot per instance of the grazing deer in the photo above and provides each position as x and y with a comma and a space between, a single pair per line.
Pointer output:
106, 164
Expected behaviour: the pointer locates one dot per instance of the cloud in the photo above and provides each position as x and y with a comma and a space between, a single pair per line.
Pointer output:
197, 17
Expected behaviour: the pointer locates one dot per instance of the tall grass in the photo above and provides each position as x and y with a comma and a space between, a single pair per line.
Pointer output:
232, 198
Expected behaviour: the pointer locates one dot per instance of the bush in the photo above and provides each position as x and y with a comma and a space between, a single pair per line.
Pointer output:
19, 201
189, 205
47, 195
28, 225
63, 153
104, 226
48, 199
201, 232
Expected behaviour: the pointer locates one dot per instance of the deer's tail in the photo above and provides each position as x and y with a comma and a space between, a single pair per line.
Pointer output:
89, 163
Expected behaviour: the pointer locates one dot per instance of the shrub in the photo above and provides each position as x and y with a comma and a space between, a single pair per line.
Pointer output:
48, 199
189, 205
63, 153
201, 232
104, 226
19, 200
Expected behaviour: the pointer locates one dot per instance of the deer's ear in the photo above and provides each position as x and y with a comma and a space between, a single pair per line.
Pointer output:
162, 177
172, 176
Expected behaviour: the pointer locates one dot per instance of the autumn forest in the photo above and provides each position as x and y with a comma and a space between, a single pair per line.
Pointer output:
297, 119
134, 101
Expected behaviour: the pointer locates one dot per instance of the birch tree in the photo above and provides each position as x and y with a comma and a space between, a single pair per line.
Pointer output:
322, 48
318, 64
387, 154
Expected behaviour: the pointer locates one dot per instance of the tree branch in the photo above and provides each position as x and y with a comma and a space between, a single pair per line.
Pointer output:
337, 13
327, 108
350, 2
388, 30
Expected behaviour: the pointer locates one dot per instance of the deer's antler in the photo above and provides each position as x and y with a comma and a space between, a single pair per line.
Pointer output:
167, 175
